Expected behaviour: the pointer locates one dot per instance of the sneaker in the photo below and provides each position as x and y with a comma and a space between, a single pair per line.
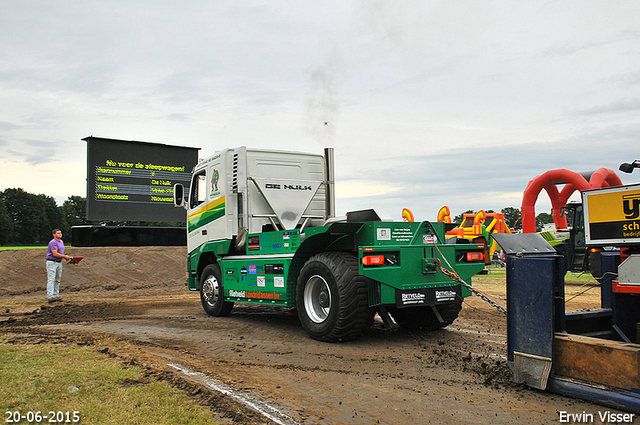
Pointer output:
54, 300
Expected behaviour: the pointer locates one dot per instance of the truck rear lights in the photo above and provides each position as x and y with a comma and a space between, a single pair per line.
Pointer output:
475, 256
373, 260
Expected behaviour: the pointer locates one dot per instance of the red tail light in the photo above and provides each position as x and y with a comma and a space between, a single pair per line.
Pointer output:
475, 256
373, 260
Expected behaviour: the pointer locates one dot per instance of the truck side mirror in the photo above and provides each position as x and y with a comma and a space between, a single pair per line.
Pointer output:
628, 168
178, 195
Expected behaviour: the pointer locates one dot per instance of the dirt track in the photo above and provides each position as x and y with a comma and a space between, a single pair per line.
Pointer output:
132, 303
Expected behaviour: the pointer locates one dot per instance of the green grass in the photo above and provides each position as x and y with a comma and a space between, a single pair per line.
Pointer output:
60, 378
496, 271
580, 277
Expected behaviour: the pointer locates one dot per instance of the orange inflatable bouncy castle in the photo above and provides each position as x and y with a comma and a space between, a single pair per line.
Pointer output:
467, 231
407, 215
604, 177
477, 228
444, 215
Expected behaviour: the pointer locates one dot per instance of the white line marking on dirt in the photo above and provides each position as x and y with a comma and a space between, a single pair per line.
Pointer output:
259, 406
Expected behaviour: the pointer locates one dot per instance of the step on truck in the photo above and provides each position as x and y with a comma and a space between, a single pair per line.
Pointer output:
261, 228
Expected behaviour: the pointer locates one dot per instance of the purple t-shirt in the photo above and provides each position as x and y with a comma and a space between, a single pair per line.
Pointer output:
55, 244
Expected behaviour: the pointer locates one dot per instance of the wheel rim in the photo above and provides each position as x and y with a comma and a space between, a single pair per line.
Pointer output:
317, 299
211, 290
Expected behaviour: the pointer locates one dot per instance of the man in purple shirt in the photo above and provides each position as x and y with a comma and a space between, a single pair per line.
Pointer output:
55, 255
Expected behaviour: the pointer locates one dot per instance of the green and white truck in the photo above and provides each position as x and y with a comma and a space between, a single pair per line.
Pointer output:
262, 229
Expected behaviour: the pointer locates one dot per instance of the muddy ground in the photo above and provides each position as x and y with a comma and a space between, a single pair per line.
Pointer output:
132, 303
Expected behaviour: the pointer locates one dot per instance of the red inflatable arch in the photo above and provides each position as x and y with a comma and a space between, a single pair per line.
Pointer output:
573, 181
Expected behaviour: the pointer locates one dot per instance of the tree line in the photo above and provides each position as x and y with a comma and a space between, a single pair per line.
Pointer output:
28, 219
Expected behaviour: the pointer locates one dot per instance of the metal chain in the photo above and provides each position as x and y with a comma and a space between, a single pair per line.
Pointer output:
455, 277
484, 297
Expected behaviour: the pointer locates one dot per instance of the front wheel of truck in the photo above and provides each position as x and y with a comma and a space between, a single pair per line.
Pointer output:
424, 318
332, 297
212, 292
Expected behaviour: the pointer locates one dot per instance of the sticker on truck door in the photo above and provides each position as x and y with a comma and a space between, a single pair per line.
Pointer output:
215, 178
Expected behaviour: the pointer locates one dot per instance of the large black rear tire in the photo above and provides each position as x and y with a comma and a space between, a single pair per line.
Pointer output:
332, 298
212, 292
424, 318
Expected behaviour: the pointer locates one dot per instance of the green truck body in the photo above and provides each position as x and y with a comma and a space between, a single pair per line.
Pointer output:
262, 231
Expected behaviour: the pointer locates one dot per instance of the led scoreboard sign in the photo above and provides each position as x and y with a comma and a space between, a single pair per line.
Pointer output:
133, 181
126, 181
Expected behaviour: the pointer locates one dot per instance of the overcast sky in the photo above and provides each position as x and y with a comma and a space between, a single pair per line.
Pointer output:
428, 103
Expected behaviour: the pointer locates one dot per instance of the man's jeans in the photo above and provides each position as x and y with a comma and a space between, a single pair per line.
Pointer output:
54, 272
